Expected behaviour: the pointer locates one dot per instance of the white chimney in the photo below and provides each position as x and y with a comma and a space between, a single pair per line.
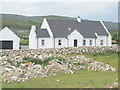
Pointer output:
96, 34
33, 28
78, 19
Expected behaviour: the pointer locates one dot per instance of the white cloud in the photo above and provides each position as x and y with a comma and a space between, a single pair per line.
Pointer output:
91, 10
59, 0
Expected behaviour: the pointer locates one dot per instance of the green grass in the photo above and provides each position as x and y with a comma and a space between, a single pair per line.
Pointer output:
80, 79
24, 42
78, 63
40, 61
111, 59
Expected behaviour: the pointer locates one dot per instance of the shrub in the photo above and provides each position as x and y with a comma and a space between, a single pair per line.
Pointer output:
24, 42
79, 64
45, 62
35, 60
108, 52
115, 43
41, 62
99, 53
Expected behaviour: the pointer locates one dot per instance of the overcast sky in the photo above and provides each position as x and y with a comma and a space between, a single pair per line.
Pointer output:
107, 11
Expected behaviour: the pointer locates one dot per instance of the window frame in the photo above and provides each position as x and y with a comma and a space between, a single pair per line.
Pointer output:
101, 42
59, 42
90, 42
84, 42
42, 42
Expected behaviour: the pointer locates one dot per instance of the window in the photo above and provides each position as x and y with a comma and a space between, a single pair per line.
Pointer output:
101, 42
84, 42
90, 42
59, 42
42, 42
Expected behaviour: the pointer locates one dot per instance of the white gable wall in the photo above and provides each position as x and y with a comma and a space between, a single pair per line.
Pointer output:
6, 34
75, 35
32, 39
45, 25
109, 38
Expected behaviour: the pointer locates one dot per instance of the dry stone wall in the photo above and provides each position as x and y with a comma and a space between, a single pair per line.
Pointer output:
43, 53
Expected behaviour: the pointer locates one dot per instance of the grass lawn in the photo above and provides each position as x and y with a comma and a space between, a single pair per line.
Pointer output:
24, 42
80, 79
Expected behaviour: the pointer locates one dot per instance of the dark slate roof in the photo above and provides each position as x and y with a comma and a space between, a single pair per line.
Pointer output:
42, 33
60, 28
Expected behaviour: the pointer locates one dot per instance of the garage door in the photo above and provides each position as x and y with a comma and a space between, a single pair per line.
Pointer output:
6, 44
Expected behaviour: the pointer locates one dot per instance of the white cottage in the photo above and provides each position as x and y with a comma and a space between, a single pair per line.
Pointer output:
8, 39
69, 33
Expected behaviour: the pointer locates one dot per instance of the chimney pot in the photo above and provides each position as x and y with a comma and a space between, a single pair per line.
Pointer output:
78, 19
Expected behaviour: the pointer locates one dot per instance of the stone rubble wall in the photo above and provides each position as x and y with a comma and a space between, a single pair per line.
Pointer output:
41, 53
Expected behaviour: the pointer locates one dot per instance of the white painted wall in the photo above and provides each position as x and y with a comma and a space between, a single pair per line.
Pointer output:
109, 38
45, 25
75, 35
88, 41
32, 38
63, 42
97, 41
48, 43
6, 34
99, 38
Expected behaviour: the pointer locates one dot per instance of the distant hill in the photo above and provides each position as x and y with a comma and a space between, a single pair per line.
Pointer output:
20, 22
111, 25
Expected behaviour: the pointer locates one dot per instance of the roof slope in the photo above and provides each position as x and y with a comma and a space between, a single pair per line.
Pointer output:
6, 33
42, 33
62, 28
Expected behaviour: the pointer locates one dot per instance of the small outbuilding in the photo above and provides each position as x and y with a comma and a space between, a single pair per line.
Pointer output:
8, 39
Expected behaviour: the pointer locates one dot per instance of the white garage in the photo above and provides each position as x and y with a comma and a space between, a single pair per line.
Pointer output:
8, 39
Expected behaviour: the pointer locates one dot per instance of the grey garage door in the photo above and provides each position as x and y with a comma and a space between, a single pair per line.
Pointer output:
6, 44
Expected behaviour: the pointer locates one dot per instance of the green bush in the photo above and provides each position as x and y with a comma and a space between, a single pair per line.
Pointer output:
99, 53
35, 60
40, 61
114, 42
105, 53
79, 64
24, 42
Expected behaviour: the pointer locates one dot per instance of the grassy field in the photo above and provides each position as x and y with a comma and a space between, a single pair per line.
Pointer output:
80, 79
24, 42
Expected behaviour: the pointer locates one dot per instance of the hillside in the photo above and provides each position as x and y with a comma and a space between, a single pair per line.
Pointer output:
20, 22
111, 25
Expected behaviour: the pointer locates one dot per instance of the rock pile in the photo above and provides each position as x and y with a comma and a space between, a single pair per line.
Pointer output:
23, 72
94, 65
11, 73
